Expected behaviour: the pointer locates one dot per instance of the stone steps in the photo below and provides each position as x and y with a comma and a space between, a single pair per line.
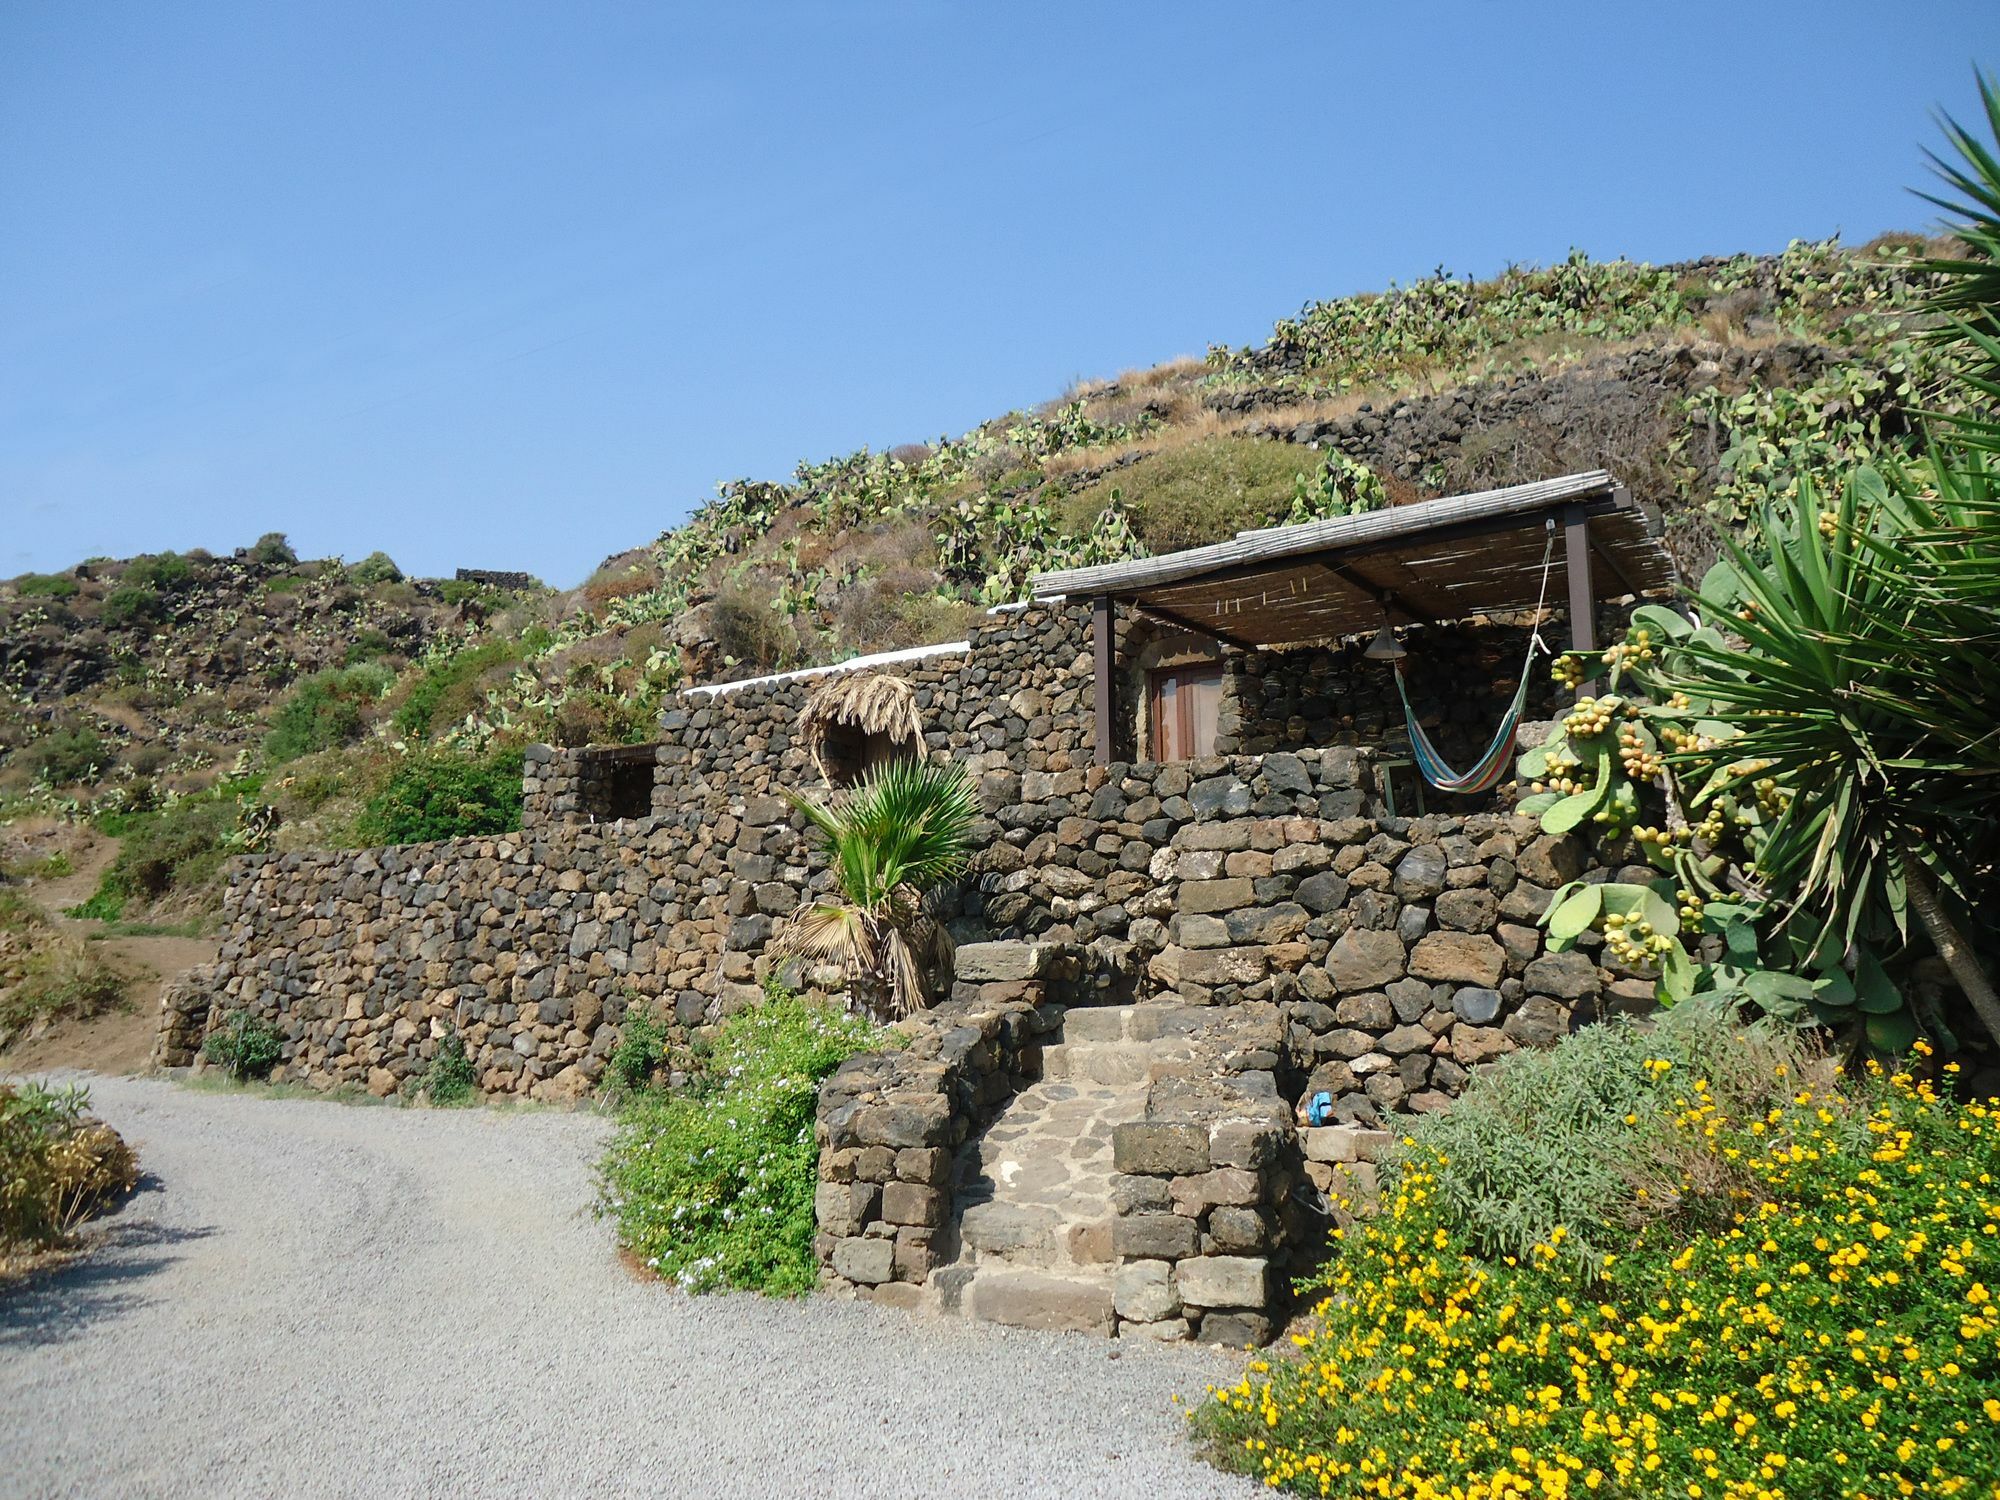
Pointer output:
1033, 1234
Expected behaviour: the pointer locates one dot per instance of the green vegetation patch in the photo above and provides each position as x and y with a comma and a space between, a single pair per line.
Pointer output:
431, 797
45, 974
132, 608
713, 1188
243, 1045
46, 586
1204, 492
446, 689
166, 572
176, 850
326, 710
70, 755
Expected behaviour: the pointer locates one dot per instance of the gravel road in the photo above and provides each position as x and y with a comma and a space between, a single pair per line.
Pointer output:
316, 1299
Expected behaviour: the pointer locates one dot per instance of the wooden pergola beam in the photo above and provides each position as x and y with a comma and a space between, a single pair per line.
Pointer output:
1582, 598
1104, 653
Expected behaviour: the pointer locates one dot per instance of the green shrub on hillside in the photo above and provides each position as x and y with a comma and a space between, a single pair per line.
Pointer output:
46, 586
327, 709
714, 1188
376, 567
273, 548
177, 850
369, 645
1204, 492
430, 797
166, 572
69, 756
128, 608
443, 692
1801, 1302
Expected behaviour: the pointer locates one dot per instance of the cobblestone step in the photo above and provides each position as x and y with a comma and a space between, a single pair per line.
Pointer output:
1033, 1236
1036, 1299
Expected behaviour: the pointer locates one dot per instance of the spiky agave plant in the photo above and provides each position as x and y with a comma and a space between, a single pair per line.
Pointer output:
896, 839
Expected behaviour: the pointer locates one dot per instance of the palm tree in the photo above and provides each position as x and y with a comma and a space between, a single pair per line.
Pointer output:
896, 839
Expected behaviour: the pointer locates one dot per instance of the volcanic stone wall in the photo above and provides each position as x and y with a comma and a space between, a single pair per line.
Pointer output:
1226, 880
1402, 951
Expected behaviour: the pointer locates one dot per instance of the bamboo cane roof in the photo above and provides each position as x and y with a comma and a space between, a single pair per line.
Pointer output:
1431, 561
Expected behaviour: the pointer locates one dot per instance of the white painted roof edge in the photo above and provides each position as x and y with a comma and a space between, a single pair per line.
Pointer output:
852, 664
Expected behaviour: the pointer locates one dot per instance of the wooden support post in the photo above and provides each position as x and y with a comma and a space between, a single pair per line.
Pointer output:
1103, 665
1582, 597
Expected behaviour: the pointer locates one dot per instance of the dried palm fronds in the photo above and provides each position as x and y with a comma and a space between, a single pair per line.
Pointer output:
868, 701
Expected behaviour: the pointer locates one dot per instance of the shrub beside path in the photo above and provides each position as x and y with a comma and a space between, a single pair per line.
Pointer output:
306, 1298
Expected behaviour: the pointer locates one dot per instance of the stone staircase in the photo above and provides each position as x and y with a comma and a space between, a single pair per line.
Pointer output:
1034, 1191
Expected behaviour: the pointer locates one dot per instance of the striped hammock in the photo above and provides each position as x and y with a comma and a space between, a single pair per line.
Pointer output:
1493, 766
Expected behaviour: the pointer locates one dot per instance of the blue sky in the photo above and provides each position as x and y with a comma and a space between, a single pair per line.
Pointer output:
514, 284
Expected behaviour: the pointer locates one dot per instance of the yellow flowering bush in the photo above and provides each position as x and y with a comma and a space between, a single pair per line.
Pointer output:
1806, 1306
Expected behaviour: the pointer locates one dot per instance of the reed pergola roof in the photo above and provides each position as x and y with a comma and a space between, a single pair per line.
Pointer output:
1432, 561
1568, 541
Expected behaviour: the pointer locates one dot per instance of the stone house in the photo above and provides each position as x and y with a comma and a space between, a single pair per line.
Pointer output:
1194, 906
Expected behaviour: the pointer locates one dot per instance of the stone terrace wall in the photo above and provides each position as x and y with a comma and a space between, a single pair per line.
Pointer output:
530, 945
1402, 951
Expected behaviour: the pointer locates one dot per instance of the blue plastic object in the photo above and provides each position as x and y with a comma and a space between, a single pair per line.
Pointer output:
1320, 1111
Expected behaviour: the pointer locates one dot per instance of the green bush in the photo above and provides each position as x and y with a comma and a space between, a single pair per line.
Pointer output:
368, 646
69, 756
285, 583
46, 586
57, 1164
714, 1188
1204, 492
166, 572
442, 692
175, 850
450, 1078
1801, 1302
273, 548
247, 1046
324, 711
641, 1050
431, 797
1559, 1137
376, 567
129, 608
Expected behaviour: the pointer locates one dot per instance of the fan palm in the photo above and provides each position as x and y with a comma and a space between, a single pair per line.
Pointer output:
895, 839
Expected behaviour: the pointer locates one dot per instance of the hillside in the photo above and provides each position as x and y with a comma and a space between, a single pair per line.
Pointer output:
194, 704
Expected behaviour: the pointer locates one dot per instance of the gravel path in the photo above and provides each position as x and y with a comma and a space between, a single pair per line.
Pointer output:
315, 1299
